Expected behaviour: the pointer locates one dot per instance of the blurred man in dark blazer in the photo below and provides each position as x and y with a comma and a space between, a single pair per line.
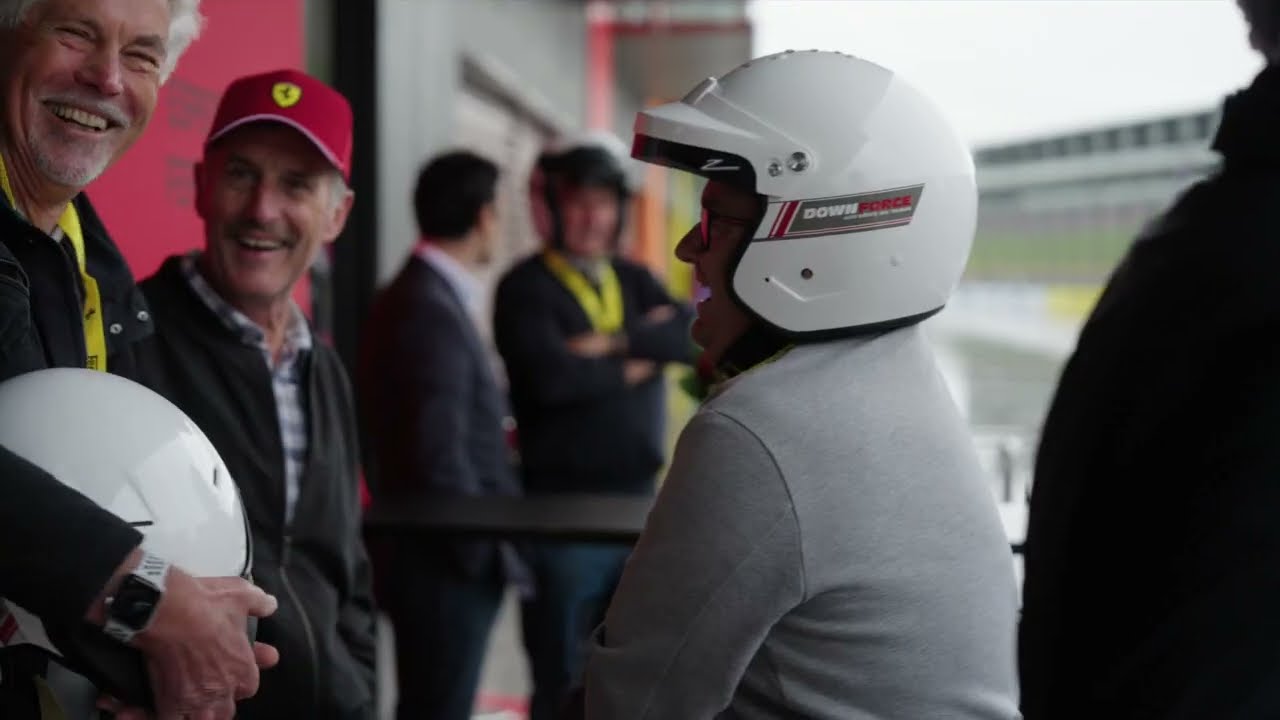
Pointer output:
433, 414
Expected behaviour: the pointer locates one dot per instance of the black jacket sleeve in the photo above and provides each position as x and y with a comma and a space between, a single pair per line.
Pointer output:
57, 548
666, 341
537, 356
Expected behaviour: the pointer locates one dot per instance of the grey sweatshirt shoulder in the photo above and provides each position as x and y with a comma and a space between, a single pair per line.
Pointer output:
824, 546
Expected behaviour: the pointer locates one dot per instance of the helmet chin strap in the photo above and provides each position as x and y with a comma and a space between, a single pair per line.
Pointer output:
758, 344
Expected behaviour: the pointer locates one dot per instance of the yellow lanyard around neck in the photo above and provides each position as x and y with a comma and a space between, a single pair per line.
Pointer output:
603, 308
95, 340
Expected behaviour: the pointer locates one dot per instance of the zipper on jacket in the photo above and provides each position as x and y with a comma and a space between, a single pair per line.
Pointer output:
306, 621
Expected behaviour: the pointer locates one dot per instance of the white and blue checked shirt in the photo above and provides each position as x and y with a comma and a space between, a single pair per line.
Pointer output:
286, 374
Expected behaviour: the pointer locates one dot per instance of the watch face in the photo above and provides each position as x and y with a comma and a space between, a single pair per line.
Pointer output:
134, 603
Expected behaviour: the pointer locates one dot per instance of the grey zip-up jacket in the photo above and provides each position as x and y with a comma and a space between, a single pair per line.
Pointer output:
824, 546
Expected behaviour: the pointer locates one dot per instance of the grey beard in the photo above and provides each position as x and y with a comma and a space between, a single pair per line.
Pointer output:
76, 177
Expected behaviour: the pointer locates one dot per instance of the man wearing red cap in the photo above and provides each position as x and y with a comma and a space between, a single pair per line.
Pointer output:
235, 352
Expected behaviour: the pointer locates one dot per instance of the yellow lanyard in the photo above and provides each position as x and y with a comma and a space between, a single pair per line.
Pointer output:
95, 340
603, 309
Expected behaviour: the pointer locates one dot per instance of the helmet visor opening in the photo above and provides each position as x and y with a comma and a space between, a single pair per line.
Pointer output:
709, 163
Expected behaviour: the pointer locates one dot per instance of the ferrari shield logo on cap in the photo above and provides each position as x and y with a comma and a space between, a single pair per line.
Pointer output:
286, 94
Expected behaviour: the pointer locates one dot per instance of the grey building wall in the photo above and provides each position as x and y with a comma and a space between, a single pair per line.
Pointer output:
540, 43
412, 69
625, 106
417, 78
535, 49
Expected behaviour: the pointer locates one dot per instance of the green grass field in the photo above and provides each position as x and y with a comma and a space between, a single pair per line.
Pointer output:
1078, 257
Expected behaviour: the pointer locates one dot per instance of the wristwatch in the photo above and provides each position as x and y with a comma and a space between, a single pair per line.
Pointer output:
133, 606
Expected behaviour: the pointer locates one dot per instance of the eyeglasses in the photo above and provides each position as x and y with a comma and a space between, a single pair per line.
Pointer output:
716, 225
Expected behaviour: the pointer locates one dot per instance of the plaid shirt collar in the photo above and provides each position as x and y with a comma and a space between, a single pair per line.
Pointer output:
297, 336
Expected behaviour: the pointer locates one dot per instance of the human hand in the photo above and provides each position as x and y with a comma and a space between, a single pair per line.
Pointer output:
595, 344
197, 649
635, 371
660, 314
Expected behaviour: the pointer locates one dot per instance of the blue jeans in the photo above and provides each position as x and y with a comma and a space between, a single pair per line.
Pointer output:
442, 626
574, 584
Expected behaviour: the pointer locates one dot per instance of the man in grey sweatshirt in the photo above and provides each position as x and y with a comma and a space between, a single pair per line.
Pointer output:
825, 544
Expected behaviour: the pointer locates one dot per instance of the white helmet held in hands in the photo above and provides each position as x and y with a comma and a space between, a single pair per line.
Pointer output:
138, 456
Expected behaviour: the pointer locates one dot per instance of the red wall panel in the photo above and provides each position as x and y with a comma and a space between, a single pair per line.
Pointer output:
146, 198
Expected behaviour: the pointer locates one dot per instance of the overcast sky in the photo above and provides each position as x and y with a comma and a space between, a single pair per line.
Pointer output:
1006, 69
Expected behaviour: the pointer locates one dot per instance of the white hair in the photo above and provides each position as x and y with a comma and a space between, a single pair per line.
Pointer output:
338, 190
185, 23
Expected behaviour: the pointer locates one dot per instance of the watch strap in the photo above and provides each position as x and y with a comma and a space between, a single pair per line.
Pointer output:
150, 572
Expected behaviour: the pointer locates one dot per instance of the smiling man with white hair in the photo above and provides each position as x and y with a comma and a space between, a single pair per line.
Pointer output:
42, 96
78, 84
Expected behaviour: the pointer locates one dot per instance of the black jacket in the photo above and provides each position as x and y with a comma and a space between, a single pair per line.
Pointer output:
58, 549
1154, 539
316, 566
432, 410
580, 427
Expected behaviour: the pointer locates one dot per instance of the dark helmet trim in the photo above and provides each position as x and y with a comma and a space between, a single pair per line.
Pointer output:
586, 166
709, 163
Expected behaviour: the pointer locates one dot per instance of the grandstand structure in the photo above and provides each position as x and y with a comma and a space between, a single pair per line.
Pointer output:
1062, 208
1056, 213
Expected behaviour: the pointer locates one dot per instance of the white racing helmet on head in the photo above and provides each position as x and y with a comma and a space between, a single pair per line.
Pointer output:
135, 454
871, 199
